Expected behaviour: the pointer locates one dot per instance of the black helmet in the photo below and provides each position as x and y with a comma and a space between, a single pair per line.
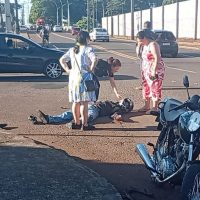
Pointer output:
126, 104
194, 102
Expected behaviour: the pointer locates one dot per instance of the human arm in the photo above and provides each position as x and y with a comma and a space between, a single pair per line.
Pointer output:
113, 85
93, 58
155, 50
63, 62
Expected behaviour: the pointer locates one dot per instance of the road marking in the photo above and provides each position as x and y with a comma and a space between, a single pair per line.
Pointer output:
115, 52
183, 70
63, 36
125, 55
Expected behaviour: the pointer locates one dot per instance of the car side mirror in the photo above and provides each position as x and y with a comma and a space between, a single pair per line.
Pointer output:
186, 81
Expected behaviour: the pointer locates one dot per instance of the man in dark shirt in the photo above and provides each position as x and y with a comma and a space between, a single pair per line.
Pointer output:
44, 34
98, 109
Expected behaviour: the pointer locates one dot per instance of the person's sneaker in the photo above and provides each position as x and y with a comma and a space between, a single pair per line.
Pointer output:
72, 125
3, 125
43, 117
33, 119
87, 128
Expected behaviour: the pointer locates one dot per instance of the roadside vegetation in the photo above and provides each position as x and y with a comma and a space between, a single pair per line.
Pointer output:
78, 9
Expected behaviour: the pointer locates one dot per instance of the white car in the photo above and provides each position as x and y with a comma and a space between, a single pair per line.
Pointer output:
99, 34
57, 28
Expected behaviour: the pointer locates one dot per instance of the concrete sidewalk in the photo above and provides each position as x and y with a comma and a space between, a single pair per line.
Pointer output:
33, 171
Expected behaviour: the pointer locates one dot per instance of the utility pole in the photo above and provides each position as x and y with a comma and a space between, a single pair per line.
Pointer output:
93, 14
17, 18
103, 9
23, 14
132, 19
88, 16
96, 13
68, 13
8, 16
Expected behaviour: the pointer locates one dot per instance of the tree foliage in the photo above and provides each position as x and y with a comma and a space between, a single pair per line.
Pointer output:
97, 8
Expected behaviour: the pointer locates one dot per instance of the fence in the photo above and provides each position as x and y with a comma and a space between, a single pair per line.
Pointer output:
182, 18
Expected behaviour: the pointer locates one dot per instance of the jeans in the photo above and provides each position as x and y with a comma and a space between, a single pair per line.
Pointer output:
66, 117
93, 112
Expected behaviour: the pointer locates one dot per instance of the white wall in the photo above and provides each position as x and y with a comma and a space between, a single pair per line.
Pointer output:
170, 17
115, 25
128, 24
121, 25
157, 18
185, 26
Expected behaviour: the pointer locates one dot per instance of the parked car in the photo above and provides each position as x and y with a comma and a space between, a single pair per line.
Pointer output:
23, 28
21, 55
57, 28
167, 42
99, 34
75, 30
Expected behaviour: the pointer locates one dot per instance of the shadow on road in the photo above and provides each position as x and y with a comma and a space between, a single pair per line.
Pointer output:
41, 78
28, 78
125, 176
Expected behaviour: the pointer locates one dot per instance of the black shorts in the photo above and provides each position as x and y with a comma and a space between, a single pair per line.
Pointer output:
46, 37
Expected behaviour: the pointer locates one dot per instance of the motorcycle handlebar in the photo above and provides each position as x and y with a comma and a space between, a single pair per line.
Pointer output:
179, 107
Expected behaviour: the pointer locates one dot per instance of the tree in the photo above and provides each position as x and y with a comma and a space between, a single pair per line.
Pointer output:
78, 8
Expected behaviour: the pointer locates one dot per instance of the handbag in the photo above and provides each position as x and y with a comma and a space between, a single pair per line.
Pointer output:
89, 85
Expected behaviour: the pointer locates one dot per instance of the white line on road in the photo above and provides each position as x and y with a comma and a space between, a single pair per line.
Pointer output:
183, 70
64, 36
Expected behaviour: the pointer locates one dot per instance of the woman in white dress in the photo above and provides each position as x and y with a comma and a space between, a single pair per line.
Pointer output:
83, 61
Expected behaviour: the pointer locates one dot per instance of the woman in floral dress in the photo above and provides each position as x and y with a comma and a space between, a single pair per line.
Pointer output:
83, 61
153, 69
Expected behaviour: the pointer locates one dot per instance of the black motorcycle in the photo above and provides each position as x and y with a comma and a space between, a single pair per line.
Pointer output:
178, 144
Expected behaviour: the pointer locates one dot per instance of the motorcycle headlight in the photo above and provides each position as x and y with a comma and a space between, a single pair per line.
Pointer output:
194, 122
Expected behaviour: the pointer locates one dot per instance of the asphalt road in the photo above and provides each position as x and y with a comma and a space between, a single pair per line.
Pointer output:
110, 149
187, 61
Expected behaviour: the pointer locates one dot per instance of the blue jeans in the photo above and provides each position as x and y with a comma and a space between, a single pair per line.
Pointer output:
66, 117
93, 112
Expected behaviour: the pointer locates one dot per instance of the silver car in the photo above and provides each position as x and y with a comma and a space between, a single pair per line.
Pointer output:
100, 34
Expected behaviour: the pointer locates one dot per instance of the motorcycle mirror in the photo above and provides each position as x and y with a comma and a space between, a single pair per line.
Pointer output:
186, 81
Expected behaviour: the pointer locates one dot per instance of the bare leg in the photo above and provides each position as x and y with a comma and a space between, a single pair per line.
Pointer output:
146, 105
84, 113
76, 112
155, 105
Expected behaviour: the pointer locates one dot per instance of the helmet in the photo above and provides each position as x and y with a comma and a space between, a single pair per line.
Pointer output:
126, 104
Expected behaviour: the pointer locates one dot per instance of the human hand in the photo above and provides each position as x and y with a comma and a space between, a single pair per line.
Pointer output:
118, 96
153, 77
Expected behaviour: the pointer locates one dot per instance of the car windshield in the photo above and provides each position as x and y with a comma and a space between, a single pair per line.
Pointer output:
101, 30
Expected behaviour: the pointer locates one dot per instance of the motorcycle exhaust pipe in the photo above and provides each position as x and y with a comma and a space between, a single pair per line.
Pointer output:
144, 155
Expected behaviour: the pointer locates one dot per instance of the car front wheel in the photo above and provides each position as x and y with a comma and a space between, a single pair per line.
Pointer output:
53, 70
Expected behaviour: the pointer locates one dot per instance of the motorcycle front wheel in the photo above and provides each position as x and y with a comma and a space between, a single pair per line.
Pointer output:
190, 189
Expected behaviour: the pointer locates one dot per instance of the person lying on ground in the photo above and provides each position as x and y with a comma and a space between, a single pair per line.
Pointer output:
115, 110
